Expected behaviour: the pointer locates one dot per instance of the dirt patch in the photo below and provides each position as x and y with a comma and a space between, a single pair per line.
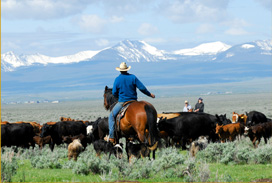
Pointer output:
262, 180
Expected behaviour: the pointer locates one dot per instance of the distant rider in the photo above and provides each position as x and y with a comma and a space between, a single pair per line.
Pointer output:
187, 107
199, 107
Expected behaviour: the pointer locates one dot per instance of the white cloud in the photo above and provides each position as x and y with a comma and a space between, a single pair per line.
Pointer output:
183, 11
116, 19
102, 42
147, 29
122, 7
236, 27
91, 23
40, 9
205, 28
236, 31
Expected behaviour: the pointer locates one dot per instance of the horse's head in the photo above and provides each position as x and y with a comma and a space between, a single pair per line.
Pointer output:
109, 99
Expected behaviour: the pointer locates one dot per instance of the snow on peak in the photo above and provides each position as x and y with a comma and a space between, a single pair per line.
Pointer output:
26, 60
151, 49
136, 51
265, 45
247, 46
205, 49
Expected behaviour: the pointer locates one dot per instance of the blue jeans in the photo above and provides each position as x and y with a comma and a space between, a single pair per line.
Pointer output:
112, 117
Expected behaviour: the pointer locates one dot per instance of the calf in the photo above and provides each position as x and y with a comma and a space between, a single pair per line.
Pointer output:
41, 141
83, 139
136, 150
74, 149
242, 118
255, 133
198, 145
107, 147
229, 131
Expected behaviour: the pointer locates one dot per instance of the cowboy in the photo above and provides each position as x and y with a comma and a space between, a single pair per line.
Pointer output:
124, 88
187, 107
199, 107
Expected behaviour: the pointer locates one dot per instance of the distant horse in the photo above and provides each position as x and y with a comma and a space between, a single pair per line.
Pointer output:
139, 121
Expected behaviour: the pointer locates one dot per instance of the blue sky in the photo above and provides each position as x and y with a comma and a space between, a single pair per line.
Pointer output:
63, 27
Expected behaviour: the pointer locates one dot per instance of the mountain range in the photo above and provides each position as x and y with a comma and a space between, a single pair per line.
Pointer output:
214, 62
137, 51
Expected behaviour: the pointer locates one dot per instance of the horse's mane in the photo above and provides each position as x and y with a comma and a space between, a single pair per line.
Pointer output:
111, 100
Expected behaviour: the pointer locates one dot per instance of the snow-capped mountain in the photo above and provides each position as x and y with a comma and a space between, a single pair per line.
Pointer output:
212, 48
133, 51
247, 51
140, 51
10, 61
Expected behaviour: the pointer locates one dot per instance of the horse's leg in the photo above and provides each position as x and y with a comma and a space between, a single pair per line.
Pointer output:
141, 136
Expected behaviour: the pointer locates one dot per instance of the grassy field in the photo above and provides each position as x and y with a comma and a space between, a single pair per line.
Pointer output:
92, 109
45, 166
239, 162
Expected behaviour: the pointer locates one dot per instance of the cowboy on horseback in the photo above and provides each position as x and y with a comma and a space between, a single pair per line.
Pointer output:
124, 88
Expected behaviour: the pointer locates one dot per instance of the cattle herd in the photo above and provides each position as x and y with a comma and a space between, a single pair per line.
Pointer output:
181, 129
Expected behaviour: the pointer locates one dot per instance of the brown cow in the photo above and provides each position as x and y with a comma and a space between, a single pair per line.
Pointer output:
4, 122
51, 123
41, 141
229, 131
168, 115
256, 132
239, 118
66, 119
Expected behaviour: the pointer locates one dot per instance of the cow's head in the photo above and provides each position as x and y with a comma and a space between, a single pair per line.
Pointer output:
235, 117
218, 128
46, 130
161, 123
222, 119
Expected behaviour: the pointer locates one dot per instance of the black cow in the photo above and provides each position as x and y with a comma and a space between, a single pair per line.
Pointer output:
189, 126
255, 117
20, 135
100, 128
64, 128
222, 119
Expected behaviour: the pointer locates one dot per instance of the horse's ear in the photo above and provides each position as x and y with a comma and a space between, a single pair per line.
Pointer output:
225, 115
106, 88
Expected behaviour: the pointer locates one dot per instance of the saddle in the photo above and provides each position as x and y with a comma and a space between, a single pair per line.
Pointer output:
121, 114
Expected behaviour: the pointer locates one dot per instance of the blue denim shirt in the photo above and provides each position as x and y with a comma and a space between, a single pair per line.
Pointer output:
125, 86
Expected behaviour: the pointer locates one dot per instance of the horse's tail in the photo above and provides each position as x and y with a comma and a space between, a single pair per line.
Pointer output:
152, 126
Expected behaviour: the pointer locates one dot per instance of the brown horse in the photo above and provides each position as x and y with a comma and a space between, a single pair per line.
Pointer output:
139, 121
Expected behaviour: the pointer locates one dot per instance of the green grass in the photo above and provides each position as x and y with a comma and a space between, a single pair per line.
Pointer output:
26, 173
219, 172
240, 173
